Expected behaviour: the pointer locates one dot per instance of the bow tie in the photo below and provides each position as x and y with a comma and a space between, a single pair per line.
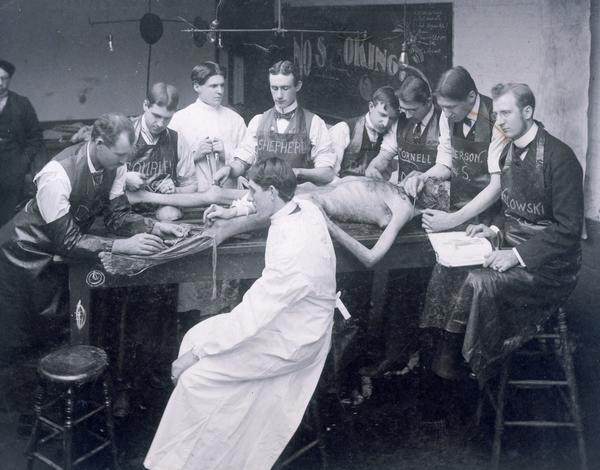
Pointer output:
287, 116
467, 121
518, 151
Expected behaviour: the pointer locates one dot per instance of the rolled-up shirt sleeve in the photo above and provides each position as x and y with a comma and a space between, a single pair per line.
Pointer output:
186, 169
53, 191
246, 152
118, 187
340, 138
444, 148
322, 153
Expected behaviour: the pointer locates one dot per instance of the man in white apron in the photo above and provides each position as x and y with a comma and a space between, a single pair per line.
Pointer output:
244, 378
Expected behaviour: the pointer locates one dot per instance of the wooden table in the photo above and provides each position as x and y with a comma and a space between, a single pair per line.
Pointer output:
244, 259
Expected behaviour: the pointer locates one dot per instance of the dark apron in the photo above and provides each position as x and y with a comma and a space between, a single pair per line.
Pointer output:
292, 146
417, 156
499, 312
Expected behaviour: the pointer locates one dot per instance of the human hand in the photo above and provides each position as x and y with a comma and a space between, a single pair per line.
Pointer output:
215, 211
134, 181
169, 230
166, 186
372, 172
413, 184
479, 231
182, 363
501, 260
221, 175
139, 244
218, 147
437, 221
204, 148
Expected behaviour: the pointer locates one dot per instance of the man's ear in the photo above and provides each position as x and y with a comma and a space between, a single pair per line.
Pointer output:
298, 86
371, 106
195, 86
472, 95
274, 192
146, 105
527, 112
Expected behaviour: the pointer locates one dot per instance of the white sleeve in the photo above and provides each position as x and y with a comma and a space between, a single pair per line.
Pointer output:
247, 149
389, 144
340, 138
322, 152
175, 122
444, 149
186, 171
53, 191
497, 144
118, 187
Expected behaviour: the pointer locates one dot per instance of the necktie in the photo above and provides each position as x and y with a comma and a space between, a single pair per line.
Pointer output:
287, 116
466, 122
97, 177
377, 145
416, 135
518, 151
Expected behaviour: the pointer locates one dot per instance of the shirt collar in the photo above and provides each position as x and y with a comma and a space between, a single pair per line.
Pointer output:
474, 110
427, 117
89, 160
369, 126
527, 138
285, 210
205, 106
150, 138
290, 108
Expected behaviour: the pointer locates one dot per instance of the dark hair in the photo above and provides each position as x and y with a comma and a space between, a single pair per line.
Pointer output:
163, 95
201, 73
414, 89
277, 173
110, 126
386, 95
456, 84
521, 91
8, 67
285, 67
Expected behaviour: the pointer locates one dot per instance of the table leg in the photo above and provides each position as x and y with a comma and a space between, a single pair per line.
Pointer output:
80, 311
378, 298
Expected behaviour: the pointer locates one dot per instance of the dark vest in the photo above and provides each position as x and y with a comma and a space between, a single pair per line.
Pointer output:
360, 150
417, 155
158, 159
293, 145
469, 156
23, 240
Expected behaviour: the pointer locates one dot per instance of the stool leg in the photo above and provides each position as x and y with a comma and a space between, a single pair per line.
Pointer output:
570, 376
68, 432
106, 389
499, 425
35, 432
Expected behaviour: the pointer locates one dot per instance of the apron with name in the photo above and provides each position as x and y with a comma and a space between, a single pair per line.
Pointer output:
417, 156
469, 159
293, 145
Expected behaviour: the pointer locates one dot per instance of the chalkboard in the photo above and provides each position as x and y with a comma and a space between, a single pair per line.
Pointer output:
340, 72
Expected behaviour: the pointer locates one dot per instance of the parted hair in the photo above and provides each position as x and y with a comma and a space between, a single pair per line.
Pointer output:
277, 173
414, 89
202, 72
110, 126
456, 84
163, 95
387, 96
521, 91
285, 67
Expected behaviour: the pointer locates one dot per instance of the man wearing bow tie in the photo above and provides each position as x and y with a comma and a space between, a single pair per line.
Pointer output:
498, 307
82, 182
357, 141
287, 131
468, 152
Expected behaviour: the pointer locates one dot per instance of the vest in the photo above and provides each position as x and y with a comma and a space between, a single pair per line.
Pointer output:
360, 151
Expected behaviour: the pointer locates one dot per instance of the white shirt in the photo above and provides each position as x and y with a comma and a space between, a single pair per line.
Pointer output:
340, 135
54, 188
444, 151
389, 146
526, 139
321, 152
198, 121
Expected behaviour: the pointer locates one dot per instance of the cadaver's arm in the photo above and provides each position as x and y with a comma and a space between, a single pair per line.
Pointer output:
370, 256
214, 195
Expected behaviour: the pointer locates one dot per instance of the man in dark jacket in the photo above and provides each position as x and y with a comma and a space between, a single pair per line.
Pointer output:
20, 142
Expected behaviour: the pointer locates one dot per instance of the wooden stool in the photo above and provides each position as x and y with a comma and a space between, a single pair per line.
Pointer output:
70, 369
554, 342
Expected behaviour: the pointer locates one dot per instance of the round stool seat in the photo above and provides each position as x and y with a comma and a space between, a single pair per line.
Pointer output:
73, 364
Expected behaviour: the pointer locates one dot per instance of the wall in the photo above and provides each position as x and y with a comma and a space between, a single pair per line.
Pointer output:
61, 60
539, 42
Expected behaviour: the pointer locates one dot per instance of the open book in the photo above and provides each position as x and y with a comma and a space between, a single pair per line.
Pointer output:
454, 249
